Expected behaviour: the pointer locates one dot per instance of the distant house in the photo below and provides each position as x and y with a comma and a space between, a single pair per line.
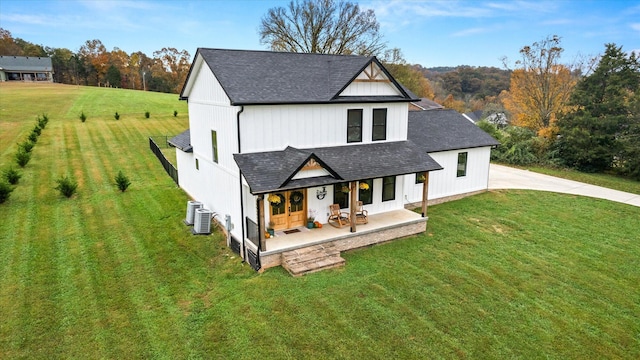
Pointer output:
459, 146
26, 68
498, 118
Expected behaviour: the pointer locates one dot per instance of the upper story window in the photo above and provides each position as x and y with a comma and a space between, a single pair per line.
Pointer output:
462, 164
214, 145
379, 124
354, 125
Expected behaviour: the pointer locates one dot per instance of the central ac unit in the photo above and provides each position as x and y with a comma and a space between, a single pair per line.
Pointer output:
202, 222
191, 211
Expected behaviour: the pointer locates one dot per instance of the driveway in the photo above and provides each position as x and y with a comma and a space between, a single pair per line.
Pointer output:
504, 177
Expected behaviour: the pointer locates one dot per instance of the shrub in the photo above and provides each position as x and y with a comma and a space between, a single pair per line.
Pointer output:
117, 116
175, 113
26, 146
66, 186
5, 191
122, 181
147, 114
42, 121
37, 130
22, 158
33, 137
12, 176
83, 117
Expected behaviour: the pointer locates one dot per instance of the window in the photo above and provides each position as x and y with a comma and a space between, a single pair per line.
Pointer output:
365, 192
197, 165
462, 164
388, 188
379, 124
214, 145
341, 197
421, 177
354, 125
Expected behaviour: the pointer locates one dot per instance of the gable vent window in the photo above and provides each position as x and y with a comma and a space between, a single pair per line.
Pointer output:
379, 124
462, 164
354, 125
214, 145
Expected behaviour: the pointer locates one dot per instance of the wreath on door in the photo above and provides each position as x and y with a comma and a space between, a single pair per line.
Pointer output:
296, 198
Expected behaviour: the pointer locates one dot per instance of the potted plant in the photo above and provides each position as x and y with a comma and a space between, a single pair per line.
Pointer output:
270, 228
364, 186
311, 219
345, 189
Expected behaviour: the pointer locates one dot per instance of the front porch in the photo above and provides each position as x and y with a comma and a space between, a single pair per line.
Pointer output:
382, 227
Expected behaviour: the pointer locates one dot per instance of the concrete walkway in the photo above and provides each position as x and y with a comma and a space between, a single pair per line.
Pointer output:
504, 177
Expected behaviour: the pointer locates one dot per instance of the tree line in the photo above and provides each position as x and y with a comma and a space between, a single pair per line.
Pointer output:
94, 65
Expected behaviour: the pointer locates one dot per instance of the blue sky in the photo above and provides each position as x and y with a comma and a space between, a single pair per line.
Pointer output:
430, 33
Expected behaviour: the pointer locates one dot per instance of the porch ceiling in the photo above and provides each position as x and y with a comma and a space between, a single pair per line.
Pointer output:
265, 171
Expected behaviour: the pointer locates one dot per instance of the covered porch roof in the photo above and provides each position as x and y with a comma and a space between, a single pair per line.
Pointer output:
272, 171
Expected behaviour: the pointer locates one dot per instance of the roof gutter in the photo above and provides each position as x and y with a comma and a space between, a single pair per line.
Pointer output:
242, 222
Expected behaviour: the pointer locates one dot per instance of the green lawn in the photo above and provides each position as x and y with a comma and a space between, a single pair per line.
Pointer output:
106, 274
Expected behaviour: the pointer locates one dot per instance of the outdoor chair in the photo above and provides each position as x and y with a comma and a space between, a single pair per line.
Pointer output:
337, 218
362, 216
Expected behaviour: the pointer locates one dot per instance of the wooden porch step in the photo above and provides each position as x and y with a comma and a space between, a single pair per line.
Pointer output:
311, 259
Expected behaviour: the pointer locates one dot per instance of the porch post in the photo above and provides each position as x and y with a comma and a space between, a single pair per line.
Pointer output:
425, 193
352, 208
263, 245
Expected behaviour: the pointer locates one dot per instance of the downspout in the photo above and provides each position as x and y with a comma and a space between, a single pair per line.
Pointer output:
242, 222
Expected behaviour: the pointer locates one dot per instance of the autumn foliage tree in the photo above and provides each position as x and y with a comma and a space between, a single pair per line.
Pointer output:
408, 76
540, 88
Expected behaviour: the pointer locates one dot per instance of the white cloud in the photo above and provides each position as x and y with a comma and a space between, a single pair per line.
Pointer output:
471, 31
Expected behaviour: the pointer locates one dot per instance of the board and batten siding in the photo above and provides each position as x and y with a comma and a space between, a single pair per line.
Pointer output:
274, 127
216, 185
321, 206
370, 88
444, 183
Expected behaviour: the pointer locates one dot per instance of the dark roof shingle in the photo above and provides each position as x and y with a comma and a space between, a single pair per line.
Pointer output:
265, 77
442, 130
265, 171
182, 141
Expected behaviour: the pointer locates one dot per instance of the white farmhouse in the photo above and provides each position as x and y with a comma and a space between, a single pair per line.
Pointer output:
275, 139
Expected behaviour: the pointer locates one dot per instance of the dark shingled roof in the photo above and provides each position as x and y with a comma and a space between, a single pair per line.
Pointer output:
25, 63
265, 77
442, 130
273, 170
182, 141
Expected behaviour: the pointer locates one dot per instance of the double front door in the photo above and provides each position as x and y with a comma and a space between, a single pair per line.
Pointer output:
290, 212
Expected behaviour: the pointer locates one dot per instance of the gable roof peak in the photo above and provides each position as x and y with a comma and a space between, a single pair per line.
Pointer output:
253, 77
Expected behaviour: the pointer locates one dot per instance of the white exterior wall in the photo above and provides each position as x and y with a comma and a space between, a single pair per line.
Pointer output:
359, 88
216, 185
274, 127
321, 206
443, 183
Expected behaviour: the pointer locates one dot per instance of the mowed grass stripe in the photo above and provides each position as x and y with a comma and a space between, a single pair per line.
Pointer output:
500, 275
